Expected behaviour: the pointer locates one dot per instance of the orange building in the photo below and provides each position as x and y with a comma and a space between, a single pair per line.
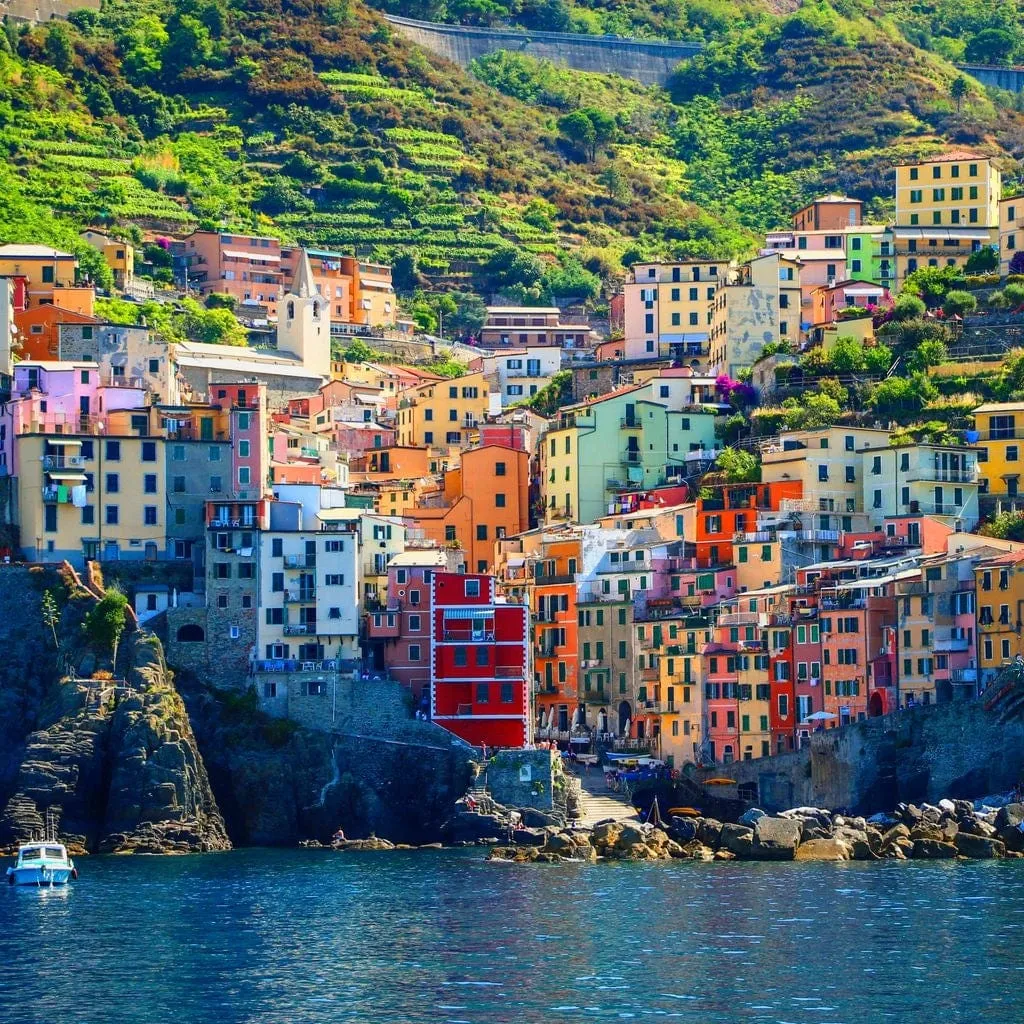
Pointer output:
483, 500
38, 327
732, 509
555, 635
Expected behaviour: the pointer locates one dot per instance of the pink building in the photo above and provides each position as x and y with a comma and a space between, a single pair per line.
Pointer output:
398, 633
246, 405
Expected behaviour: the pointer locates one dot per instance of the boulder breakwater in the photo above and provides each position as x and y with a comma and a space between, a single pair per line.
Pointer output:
949, 830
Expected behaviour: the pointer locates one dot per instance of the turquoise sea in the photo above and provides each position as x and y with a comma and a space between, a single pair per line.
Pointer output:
442, 936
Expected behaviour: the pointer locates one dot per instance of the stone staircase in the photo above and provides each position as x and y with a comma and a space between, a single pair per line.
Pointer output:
600, 803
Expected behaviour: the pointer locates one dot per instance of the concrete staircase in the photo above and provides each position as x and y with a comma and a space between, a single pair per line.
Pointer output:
600, 803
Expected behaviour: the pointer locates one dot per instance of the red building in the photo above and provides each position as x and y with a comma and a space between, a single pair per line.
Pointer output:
479, 648
732, 509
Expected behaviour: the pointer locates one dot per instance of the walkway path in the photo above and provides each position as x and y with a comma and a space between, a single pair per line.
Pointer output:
600, 802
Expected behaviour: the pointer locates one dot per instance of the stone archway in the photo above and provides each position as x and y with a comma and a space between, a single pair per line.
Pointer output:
191, 633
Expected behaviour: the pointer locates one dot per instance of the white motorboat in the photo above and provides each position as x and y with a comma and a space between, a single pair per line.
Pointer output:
42, 864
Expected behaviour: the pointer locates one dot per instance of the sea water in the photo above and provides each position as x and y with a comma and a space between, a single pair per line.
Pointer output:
442, 936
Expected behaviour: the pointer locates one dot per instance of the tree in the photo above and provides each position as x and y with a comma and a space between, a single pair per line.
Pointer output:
58, 48
470, 314
877, 359
983, 261
578, 129
821, 410
571, 280
358, 352
51, 615
1017, 263
932, 283
930, 352
105, 622
739, 466
957, 303
902, 396
958, 90
188, 44
991, 46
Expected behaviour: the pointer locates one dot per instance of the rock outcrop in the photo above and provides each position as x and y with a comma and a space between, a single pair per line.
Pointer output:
112, 764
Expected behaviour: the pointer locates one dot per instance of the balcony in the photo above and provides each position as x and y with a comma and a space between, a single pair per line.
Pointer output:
738, 619
476, 636
383, 626
632, 457
948, 641
630, 423
57, 495
964, 675
304, 595
947, 476
650, 675
56, 462
300, 629
300, 561
294, 665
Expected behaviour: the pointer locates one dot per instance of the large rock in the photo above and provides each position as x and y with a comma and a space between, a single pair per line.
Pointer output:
709, 832
532, 818
737, 840
824, 849
1012, 838
683, 830
1011, 814
776, 838
979, 847
932, 849
751, 815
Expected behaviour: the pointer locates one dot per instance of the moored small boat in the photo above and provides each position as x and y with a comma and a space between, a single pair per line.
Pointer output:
42, 864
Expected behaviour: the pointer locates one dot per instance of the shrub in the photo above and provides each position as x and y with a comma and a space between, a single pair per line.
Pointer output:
957, 303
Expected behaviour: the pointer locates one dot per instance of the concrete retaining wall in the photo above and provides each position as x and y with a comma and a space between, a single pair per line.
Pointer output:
995, 76
43, 10
648, 62
522, 778
947, 750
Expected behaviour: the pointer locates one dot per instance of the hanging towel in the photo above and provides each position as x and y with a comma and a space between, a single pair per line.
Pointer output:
62, 494
79, 496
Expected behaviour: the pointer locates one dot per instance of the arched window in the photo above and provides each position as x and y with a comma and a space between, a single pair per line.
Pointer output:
291, 310
191, 634
316, 310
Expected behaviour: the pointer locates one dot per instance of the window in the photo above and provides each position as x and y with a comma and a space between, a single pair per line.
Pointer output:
149, 515
334, 579
112, 452
499, 501
472, 588
414, 652
149, 451
88, 515
149, 483
823, 473
460, 657
499, 469
481, 531
913, 174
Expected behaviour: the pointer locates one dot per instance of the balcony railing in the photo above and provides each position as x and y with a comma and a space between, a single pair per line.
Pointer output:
297, 665
632, 457
738, 619
477, 636
304, 595
948, 476
630, 423
300, 629
300, 561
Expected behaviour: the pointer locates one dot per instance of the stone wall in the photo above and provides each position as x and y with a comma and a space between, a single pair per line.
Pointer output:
523, 778
947, 750
644, 60
601, 378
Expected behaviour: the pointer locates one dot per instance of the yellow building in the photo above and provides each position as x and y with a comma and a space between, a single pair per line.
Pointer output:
118, 254
754, 688
999, 446
446, 412
829, 463
1011, 231
560, 482
46, 269
84, 496
667, 309
759, 304
946, 208
999, 586
682, 689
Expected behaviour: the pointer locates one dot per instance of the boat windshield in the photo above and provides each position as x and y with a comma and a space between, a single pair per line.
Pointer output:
32, 853
54, 853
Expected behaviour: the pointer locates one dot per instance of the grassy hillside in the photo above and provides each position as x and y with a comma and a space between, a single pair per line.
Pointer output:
310, 119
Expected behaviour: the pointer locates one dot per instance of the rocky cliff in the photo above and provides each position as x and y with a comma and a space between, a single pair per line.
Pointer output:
109, 754
379, 772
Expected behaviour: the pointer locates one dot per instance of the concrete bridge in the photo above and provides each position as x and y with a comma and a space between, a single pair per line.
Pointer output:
644, 60
996, 76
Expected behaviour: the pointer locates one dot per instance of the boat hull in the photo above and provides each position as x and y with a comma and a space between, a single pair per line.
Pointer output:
39, 876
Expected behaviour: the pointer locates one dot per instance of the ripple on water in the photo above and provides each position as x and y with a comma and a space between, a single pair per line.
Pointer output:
305, 937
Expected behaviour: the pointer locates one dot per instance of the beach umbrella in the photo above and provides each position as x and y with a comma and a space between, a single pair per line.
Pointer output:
719, 782
820, 716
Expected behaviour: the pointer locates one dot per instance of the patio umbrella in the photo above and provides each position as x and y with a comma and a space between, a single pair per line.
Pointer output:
719, 782
625, 727
820, 716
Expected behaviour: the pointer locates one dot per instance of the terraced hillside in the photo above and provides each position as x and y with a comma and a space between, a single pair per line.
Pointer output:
310, 119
